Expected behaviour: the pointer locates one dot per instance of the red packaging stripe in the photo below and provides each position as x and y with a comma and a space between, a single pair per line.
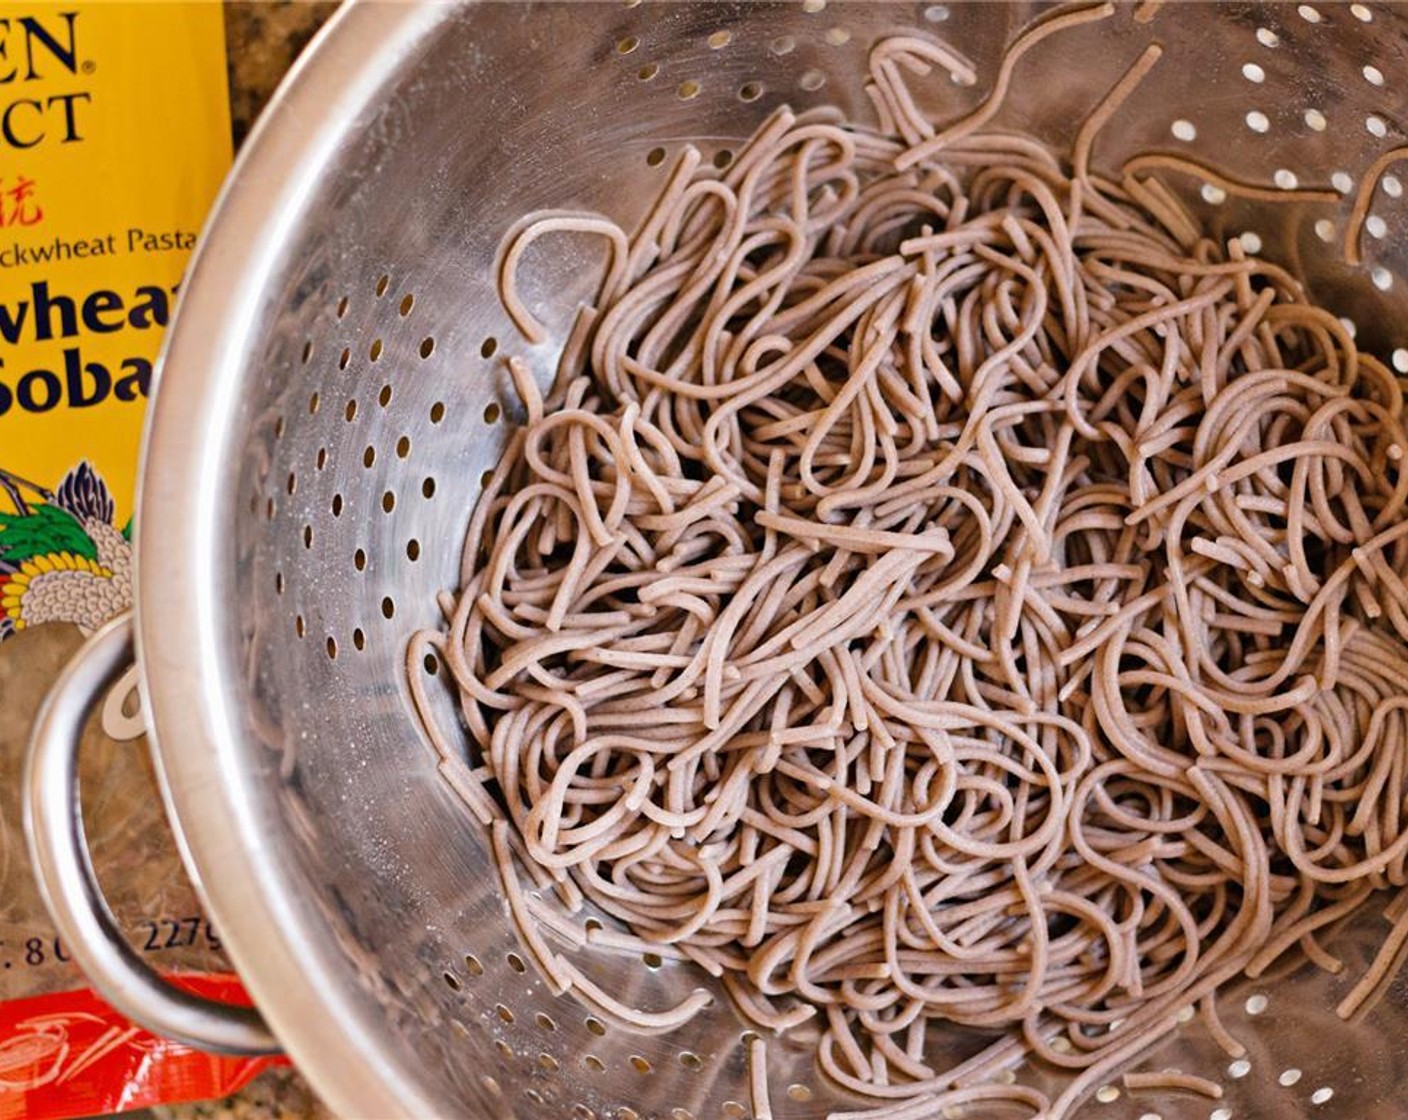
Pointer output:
68, 1054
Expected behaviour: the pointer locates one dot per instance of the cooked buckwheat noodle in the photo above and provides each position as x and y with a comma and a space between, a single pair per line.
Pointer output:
1160, 1081
1359, 213
758, 1079
941, 586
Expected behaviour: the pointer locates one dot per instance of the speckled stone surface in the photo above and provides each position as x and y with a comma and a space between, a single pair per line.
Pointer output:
277, 1095
262, 40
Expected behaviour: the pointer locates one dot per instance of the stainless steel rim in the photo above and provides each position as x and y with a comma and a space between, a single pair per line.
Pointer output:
175, 542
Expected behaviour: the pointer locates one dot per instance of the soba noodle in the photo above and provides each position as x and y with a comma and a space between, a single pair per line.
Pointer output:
1171, 1082
942, 587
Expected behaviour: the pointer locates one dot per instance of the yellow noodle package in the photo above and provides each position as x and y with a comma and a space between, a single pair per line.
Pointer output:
114, 138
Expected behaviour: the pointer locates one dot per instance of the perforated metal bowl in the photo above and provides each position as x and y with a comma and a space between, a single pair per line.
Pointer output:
333, 391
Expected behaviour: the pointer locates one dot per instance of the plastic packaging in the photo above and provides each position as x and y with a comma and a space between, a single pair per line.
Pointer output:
114, 137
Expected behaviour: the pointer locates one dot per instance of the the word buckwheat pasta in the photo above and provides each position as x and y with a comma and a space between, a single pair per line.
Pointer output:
942, 587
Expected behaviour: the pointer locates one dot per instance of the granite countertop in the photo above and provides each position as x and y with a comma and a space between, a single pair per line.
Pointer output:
279, 1094
262, 40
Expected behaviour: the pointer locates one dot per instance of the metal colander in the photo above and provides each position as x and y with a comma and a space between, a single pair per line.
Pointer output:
334, 390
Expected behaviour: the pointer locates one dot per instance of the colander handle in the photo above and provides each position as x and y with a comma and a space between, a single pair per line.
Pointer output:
58, 846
